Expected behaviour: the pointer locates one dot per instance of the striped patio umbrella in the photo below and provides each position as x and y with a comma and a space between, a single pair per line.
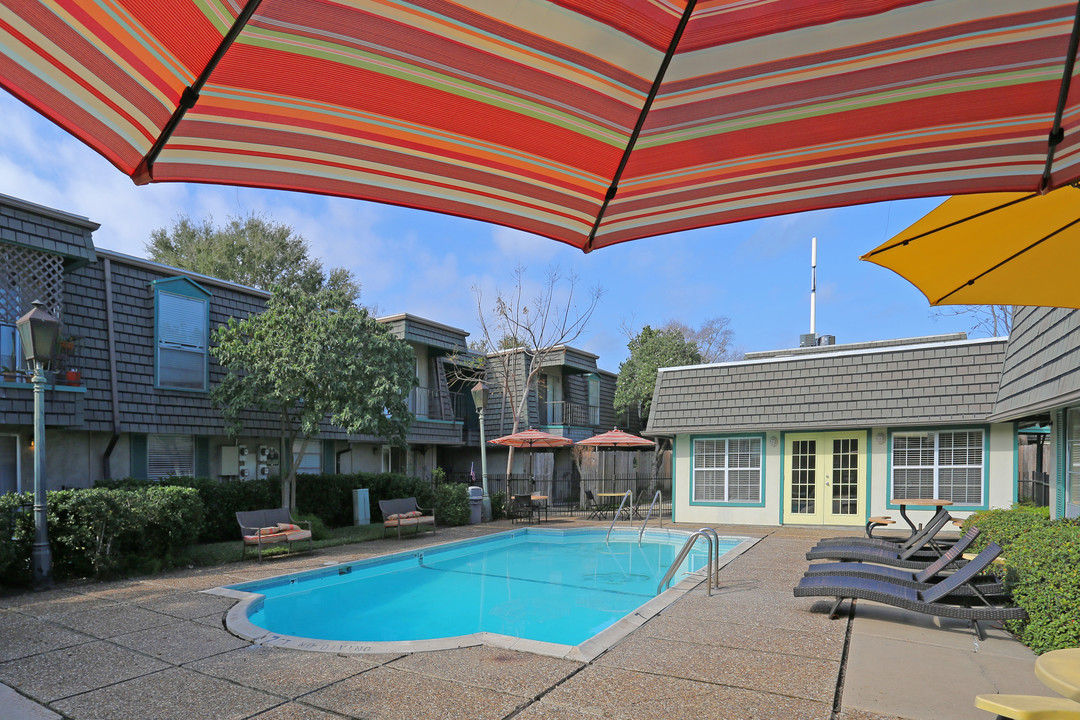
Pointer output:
617, 438
588, 122
532, 438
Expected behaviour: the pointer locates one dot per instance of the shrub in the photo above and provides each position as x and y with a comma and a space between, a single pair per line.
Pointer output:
1005, 526
221, 499
1044, 578
102, 531
318, 527
498, 505
451, 503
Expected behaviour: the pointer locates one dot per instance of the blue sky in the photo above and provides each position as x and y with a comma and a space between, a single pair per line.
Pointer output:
755, 273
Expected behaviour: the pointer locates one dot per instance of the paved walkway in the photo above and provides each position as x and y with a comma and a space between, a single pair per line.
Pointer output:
157, 648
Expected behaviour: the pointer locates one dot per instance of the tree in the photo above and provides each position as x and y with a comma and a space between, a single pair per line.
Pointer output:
518, 337
308, 358
713, 339
252, 250
991, 320
650, 350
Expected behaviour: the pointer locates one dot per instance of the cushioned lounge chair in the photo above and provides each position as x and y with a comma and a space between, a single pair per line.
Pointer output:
925, 578
929, 530
940, 600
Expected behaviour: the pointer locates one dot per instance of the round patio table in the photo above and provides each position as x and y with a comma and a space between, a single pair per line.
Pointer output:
1059, 670
918, 501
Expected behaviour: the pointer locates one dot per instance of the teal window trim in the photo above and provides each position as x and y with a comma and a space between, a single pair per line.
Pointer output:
760, 437
783, 488
184, 287
1016, 463
890, 432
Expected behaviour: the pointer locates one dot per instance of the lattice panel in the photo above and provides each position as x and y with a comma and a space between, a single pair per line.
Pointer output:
28, 275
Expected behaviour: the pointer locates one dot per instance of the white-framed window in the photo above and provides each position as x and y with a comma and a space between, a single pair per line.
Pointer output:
594, 399
727, 470
944, 464
182, 337
11, 355
168, 455
311, 460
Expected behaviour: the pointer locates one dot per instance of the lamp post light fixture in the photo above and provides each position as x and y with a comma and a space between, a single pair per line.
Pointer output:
39, 331
479, 396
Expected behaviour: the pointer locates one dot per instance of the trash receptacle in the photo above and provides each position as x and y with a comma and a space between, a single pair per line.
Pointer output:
476, 505
361, 507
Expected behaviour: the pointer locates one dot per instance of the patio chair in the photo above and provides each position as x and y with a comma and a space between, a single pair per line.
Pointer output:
522, 508
916, 557
595, 511
929, 576
940, 519
940, 600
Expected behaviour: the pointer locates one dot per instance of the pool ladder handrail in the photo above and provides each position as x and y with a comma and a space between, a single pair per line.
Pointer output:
682, 556
716, 553
656, 497
626, 496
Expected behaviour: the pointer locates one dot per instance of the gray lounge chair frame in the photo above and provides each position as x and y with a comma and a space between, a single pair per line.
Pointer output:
934, 600
921, 580
920, 538
915, 557
404, 505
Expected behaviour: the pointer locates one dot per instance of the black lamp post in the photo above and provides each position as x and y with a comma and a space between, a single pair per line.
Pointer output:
39, 331
479, 396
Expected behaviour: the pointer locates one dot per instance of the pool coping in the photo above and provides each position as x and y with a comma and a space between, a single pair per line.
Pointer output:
237, 622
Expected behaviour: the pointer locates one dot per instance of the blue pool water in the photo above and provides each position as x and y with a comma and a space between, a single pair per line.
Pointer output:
553, 586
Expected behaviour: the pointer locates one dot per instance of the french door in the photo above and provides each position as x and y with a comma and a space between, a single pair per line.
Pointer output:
824, 478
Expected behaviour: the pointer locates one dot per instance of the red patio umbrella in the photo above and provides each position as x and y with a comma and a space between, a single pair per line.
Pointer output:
616, 438
532, 438
588, 122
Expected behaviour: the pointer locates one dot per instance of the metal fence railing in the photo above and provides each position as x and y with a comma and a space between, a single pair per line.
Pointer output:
1034, 487
566, 494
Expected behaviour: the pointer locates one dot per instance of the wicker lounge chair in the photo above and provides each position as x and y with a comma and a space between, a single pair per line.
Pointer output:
260, 529
940, 520
915, 557
937, 600
921, 580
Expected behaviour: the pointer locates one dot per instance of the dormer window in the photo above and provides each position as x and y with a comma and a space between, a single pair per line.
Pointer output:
182, 334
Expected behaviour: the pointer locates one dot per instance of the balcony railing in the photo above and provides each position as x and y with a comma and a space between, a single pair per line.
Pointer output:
437, 404
568, 413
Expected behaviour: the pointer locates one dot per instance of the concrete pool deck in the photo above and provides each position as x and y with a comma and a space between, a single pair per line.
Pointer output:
156, 647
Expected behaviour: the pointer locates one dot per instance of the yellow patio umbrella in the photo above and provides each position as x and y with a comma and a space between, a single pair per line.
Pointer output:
992, 249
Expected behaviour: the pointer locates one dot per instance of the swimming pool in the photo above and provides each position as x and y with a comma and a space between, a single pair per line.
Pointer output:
552, 590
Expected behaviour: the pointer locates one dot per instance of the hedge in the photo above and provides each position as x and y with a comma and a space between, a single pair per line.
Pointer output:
1005, 526
329, 497
101, 531
1044, 579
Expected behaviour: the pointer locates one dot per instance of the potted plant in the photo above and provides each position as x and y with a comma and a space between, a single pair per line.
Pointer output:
72, 376
10, 374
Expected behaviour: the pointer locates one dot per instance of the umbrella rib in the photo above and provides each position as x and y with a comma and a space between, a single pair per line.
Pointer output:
614, 187
1057, 134
1012, 257
961, 221
145, 172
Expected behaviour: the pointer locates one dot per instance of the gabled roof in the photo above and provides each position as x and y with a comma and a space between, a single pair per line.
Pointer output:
53, 231
909, 383
426, 332
1041, 369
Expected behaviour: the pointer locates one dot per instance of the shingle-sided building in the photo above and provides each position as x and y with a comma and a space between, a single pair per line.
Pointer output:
1040, 384
836, 434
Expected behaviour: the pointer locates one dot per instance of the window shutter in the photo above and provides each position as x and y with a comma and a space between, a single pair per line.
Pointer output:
137, 446
202, 457
169, 455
